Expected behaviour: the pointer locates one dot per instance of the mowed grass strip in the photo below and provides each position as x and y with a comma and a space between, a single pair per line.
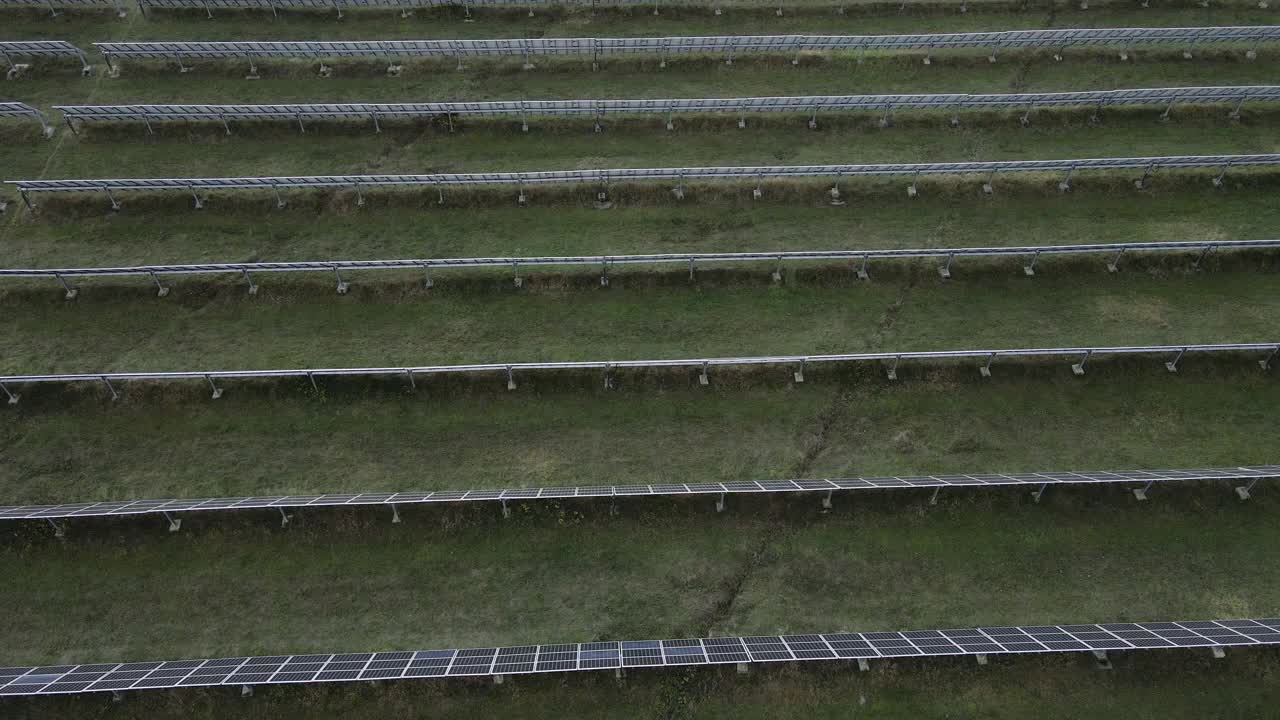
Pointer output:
878, 215
288, 440
354, 582
1150, 686
224, 328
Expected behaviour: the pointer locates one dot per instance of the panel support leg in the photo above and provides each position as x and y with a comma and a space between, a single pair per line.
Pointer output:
798, 375
1101, 660
377, 127
515, 268
226, 127
864, 665
1039, 493
13, 397
1243, 490
395, 514
196, 196
161, 290
981, 658
146, 121
1203, 254
1235, 112
115, 204
1220, 179
107, 381
1141, 493
945, 270
893, 369
506, 510
175, 524
511, 379
1172, 365
1218, 652
1114, 265
933, 500
826, 500
862, 271
217, 391
246, 691
280, 203
1078, 368
1065, 184
26, 199
253, 288
284, 517
71, 290
58, 530
1265, 363
1030, 268
985, 370
703, 379
720, 503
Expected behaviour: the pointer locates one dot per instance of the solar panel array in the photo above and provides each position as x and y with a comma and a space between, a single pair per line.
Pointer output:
627, 654
601, 108
10, 49
605, 177
118, 508
596, 47
607, 261
116, 5
705, 364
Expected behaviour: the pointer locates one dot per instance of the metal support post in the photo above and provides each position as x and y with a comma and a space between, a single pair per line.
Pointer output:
744, 668
342, 285
53, 12
312, 378
511, 378
1114, 264
604, 273
1030, 268
225, 125
1145, 181
146, 121
679, 189
863, 665
671, 121
985, 370
691, 269
161, 290
506, 511
757, 193
280, 203
1078, 368
742, 118
1096, 117
71, 290
377, 128
608, 377
887, 118
945, 270
70, 125
720, 503
115, 205
1164, 116
359, 196
862, 271
217, 391
799, 373
981, 658
599, 125
1065, 184
107, 381
813, 119
1141, 493
395, 514
413, 385
933, 500
1235, 113
1242, 490
826, 500
58, 530
1218, 652
253, 70
1039, 493
524, 119
175, 524
253, 288
196, 196
1221, 178
703, 379
1172, 365
1102, 661
26, 199
912, 190
1265, 363
777, 270
989, 187
13, 397
284, 517
1025, 120
246, 691
427, 282
893, 369
301, 127
519, 281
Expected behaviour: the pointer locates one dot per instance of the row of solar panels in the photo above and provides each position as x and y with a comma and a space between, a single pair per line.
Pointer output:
1082, 355
605, 176
1054, 39
605, 262
600, 108
1038, 480
621, 655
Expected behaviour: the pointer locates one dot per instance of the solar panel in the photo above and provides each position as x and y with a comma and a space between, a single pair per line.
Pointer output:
574, 657
1203, 248
600, 108
358, 183
42, 48
54, 5
664, 46
1082, 354
22, 110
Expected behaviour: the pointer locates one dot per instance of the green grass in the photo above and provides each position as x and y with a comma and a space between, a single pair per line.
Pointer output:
352, 581
287, 440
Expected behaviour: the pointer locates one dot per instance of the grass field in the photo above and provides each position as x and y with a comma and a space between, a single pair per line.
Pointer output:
350, 580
